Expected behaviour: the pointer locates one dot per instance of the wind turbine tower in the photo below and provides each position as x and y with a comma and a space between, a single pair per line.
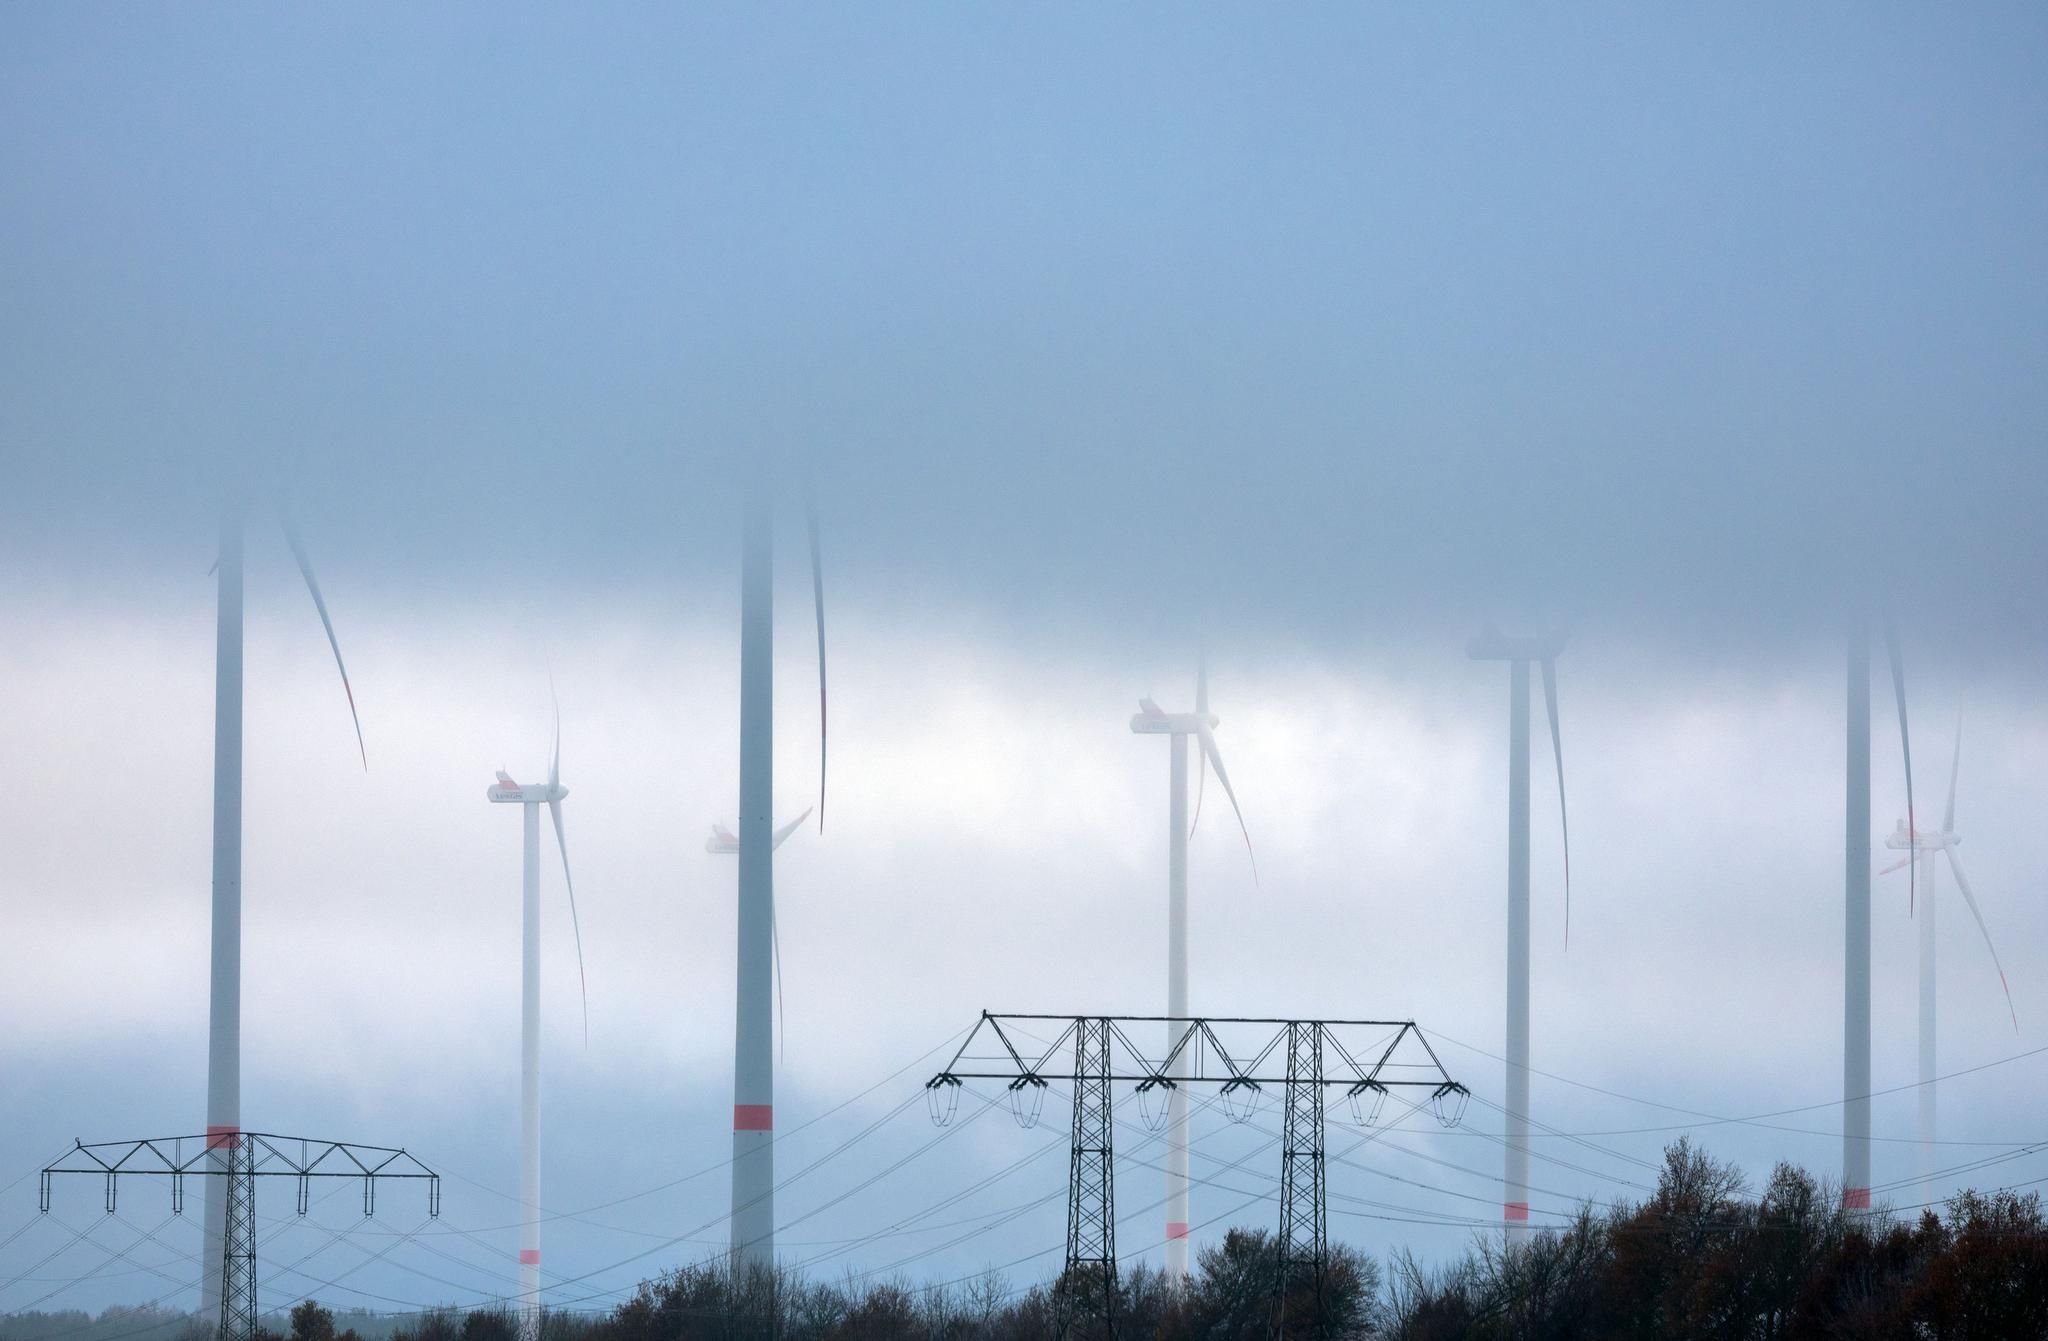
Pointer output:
507, 792
1856, 904
1152, 720
224, 996
1925, 852
1490, 645
753, 1101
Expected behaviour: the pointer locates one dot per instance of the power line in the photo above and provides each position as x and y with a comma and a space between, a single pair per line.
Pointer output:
776, 1139
1753, 1119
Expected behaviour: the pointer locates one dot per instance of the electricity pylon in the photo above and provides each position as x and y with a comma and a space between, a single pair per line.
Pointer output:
241, 1158
1372, 1058
1091, 1201
1304, 1216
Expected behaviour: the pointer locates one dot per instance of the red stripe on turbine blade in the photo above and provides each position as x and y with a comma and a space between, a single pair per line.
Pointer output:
1515, 1210
1176, 1229
753, 1117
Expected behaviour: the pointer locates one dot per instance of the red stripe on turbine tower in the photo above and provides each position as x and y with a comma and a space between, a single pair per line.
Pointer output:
1515, 1210
1176, 1229
1856, 1199
223, 1138
753, 1117
529, 1257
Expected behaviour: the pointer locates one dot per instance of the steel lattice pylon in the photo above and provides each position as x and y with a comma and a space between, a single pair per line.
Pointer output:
1304, 1216
1370, 1058
1090, 1273
238, 1268
239, 1159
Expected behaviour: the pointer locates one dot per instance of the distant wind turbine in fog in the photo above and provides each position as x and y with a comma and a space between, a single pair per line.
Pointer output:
1152, 720
507, 792
224, 1004
753, 1073
1921, 849
723, 842
1490, 645
1856, 904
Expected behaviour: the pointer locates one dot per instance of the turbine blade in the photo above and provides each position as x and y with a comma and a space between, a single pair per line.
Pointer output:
818, 603
298, 548
1948, 819
1215, 759
582, 982
1963, 884
1202, 764
788, 829
1901, 864
1898, 663
1563, 817
555, 765
781, 1029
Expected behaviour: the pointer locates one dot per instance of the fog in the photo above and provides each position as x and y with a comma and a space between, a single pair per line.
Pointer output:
1098, 341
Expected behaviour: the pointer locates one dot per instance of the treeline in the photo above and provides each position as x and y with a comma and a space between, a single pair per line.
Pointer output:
1232, 1295
145, 1322
151, 1322
1702, 1257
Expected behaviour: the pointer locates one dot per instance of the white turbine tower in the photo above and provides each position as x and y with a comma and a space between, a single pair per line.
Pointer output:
753, 1078
1921, 849
1152, 720
507, 792
1490, 645
224, 1001
1856, 905
723, 842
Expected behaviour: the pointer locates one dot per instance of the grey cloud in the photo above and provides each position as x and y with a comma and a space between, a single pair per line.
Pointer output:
1347, 322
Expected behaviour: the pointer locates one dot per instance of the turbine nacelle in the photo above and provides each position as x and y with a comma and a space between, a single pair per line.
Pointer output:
1902, 839
507, 791
1905, 837
1153, 720
550, 793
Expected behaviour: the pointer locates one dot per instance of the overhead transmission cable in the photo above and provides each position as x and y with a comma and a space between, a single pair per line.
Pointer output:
1753, 1119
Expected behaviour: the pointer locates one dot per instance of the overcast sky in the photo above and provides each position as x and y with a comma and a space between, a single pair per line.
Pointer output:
1098, 338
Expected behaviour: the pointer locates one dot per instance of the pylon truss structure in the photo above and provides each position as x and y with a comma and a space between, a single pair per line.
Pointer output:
241, 1158
1301, 1060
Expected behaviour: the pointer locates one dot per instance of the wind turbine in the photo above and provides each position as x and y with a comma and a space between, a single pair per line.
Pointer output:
224, 1001
1856, 903
507, 792
1490, 645
1152, 720
1921, 849
753, 1079
723, 842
